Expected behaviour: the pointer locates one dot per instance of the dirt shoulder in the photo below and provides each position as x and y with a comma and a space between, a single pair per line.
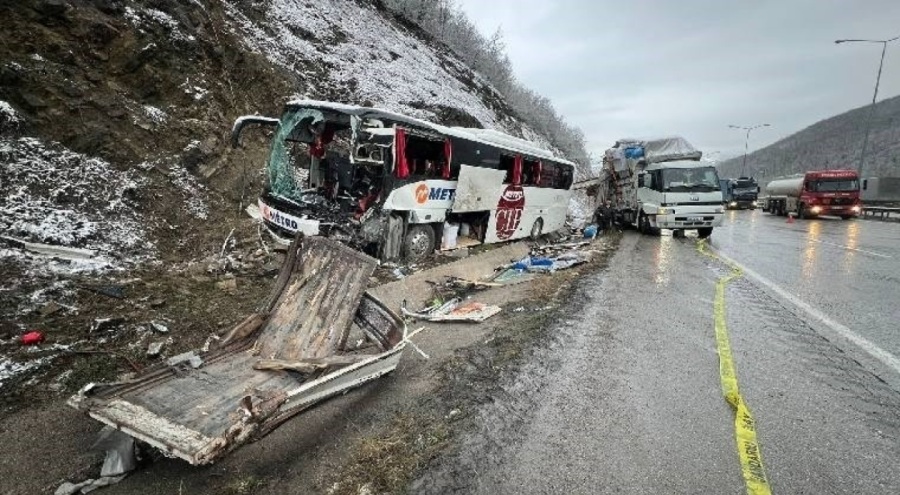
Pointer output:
376, 436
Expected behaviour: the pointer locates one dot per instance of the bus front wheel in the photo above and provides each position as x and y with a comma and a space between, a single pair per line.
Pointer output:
419, 242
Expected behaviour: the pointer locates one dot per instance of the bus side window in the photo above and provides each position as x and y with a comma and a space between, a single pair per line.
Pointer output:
567, 177
508, 165
530, 172
549, 174
426, 157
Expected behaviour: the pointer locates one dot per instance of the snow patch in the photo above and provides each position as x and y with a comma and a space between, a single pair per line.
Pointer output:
195, 91
11, 369
144, 16
362, 50
9, 118
155, 115
55, 196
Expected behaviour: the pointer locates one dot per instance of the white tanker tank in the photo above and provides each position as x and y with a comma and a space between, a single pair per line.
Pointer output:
785, 187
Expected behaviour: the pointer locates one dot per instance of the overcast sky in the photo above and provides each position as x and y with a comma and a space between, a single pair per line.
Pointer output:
619, 68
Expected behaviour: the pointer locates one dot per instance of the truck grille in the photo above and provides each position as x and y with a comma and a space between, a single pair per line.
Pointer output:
839, 201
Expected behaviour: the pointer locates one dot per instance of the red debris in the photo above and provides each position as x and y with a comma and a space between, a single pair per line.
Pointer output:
33, 337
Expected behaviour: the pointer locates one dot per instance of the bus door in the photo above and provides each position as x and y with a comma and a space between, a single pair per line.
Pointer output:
478, 189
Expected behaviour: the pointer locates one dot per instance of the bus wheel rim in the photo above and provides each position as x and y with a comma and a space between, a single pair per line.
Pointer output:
419, 244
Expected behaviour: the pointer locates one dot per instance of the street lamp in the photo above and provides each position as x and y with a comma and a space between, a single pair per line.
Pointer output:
884, 43
746, 141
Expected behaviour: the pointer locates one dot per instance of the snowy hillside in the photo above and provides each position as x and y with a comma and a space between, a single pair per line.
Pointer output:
335, 43
171, 93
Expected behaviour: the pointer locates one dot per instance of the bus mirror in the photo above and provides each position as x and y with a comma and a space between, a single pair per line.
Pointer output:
243, 121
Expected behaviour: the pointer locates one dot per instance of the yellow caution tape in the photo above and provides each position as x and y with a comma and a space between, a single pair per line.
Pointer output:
744, 424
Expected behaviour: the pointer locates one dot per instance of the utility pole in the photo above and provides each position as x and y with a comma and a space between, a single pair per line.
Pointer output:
746, 141
884, 43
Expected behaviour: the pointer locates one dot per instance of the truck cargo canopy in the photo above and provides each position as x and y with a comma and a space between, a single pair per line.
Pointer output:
662, 149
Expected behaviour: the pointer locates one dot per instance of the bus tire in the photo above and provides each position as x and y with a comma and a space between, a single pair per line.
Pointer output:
537, 229
419, 242
704, 232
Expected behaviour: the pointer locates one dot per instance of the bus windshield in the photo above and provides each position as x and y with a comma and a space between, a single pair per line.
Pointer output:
833, 185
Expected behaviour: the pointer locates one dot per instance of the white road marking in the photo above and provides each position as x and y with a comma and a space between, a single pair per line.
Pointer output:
885, 357
854, 249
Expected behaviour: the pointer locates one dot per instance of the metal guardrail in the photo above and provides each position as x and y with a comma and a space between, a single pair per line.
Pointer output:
881, 212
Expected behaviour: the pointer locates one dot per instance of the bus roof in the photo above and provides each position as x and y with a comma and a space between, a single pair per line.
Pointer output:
484, 136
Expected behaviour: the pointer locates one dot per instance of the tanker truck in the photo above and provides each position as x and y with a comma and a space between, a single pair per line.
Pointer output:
662, 184
815, 193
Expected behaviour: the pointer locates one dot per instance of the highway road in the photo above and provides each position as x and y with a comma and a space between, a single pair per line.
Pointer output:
847, 270
626, 396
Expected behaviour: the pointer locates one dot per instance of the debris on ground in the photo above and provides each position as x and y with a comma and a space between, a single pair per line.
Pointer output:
454, 310
106, 323
119, 461
155, 348
186, 357
32, 338
158, 327
114, 291
296, 329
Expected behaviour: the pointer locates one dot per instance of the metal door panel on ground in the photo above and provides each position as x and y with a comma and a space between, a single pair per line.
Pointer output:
276, 363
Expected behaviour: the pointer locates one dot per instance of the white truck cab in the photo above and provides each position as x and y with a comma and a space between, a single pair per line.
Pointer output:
679, 195
662, 184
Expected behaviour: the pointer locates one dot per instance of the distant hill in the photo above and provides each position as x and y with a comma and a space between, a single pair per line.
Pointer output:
831, 143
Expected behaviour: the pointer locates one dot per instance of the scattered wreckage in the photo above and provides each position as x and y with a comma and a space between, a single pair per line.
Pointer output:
395, 186
319, 333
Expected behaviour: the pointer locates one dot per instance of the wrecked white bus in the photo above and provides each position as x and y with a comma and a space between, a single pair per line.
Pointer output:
387, 183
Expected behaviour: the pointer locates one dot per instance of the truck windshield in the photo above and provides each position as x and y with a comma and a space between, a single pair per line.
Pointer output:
745, 184
833, 185
700, 179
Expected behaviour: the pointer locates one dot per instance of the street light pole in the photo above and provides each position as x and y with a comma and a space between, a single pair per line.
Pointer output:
746, 141
884, 43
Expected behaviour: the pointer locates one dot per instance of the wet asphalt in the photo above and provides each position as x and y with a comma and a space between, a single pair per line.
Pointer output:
626, 396
847, 269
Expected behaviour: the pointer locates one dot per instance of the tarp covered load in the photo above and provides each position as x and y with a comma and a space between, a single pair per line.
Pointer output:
659, 150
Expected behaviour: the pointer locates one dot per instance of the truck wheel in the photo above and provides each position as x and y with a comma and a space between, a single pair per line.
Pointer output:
801, 212
419, 242
643, 224
537, 229
846, 217
704, 232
